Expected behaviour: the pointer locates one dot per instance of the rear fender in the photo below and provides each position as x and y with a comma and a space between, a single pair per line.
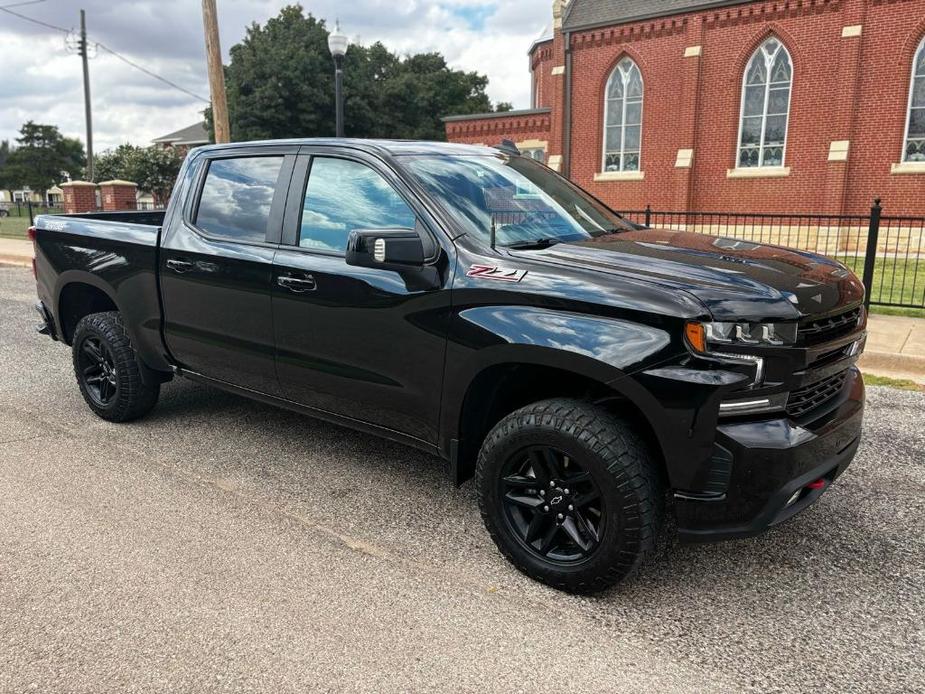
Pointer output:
148, 355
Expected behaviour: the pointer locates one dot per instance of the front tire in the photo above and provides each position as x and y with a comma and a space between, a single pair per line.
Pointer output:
108, 371
569, 494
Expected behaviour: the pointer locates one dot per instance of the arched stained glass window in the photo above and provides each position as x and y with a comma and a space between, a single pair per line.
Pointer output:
915, 128
623, 118
765, 106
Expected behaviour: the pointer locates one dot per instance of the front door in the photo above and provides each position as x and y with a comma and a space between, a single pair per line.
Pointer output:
216, 268
363, 343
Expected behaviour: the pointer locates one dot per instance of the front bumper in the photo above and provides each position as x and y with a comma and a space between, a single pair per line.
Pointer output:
772, 469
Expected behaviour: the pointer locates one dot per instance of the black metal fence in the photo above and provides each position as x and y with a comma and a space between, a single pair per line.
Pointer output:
887, 252
33, 209
28, 209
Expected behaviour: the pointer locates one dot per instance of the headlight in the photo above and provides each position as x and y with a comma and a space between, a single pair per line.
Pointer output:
705, 337
709, 339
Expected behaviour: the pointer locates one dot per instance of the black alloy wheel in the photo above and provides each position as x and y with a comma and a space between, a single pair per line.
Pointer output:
570, 494
552, 505
97, 369
108, 370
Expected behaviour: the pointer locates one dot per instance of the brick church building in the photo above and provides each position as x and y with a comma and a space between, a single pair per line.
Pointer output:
814, 106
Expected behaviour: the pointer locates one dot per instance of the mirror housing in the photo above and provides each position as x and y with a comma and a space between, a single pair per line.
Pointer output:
389, 249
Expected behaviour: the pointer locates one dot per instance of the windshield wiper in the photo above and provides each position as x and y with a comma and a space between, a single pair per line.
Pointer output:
539, 244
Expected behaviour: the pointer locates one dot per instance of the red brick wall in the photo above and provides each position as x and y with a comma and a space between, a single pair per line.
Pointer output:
118, 196
844, 88
79, 196
892, 32
541, 64
491, 131
659, 55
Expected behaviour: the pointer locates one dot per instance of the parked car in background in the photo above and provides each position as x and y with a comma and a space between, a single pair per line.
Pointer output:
474, 304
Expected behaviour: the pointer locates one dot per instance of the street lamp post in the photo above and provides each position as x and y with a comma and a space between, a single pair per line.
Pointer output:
337, 43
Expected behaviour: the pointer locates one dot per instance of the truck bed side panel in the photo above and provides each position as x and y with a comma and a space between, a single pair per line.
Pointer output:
119, 259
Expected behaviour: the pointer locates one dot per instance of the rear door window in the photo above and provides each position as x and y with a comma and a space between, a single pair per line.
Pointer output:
237, 196
344, 195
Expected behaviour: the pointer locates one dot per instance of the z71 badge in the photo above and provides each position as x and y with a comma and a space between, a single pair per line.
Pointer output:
493, 272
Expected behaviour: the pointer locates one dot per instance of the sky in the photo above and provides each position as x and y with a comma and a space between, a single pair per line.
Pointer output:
41, 80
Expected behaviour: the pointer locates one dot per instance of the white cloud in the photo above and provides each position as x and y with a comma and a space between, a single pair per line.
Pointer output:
40, 80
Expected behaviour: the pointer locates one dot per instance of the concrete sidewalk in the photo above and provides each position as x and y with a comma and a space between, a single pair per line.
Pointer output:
16, 252
895, 345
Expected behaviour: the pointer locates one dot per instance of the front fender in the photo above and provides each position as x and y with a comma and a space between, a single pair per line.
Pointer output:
643, 363
613, 346
606, 350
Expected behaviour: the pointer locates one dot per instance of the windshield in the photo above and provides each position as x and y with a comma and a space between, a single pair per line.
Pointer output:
526, 202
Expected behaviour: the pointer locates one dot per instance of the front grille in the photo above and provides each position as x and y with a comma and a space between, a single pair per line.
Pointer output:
832, 356
818, 330
812, 396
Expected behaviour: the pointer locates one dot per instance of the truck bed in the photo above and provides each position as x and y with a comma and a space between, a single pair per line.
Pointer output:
153, 218
106, 260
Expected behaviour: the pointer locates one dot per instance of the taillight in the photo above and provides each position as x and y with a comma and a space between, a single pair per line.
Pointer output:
31, 234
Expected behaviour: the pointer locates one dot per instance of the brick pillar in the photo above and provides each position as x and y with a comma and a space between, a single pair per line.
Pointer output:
556, 95
841, 117
689, 69
119, 195
79, 196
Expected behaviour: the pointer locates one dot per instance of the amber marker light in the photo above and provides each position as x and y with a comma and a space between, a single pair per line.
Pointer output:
696, 336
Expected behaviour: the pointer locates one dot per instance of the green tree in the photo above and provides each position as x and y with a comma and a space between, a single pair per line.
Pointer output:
154, 168
280, 83
157, 172
118, 163
43, 157
4, 155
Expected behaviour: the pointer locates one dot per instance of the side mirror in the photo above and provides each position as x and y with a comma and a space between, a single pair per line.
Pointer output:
389, 249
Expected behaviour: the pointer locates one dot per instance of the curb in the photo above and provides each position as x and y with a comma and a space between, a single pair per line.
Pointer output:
15, 261
893, 362
894, 365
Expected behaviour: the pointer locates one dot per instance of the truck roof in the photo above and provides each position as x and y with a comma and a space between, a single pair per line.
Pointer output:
388, 147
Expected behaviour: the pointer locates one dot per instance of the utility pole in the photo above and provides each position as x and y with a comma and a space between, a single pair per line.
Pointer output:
216, 72
82, 49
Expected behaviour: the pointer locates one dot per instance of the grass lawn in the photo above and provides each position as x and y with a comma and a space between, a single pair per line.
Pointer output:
13, 227
895, 281
901, 383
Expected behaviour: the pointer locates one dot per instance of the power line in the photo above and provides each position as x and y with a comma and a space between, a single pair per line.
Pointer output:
110, 51
33, 20
21, 4
149, 73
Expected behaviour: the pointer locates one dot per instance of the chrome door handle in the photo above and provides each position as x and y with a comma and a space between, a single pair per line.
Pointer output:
180, 266
297, 284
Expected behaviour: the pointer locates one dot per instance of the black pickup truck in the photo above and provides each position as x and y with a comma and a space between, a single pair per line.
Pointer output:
471, 302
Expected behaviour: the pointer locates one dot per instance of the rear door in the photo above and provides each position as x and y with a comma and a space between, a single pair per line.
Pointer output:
216, 267
364, 343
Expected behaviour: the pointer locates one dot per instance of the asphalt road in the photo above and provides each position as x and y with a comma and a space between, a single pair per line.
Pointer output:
222, 545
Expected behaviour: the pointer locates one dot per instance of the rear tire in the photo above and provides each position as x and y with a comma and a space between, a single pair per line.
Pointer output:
570, 494
108, 371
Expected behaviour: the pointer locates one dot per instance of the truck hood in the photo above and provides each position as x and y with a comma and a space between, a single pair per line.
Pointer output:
735, 279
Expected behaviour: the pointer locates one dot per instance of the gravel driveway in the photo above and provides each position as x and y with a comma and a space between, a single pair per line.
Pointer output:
222, 545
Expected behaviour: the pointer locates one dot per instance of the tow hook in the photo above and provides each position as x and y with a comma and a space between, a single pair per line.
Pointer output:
808, 489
